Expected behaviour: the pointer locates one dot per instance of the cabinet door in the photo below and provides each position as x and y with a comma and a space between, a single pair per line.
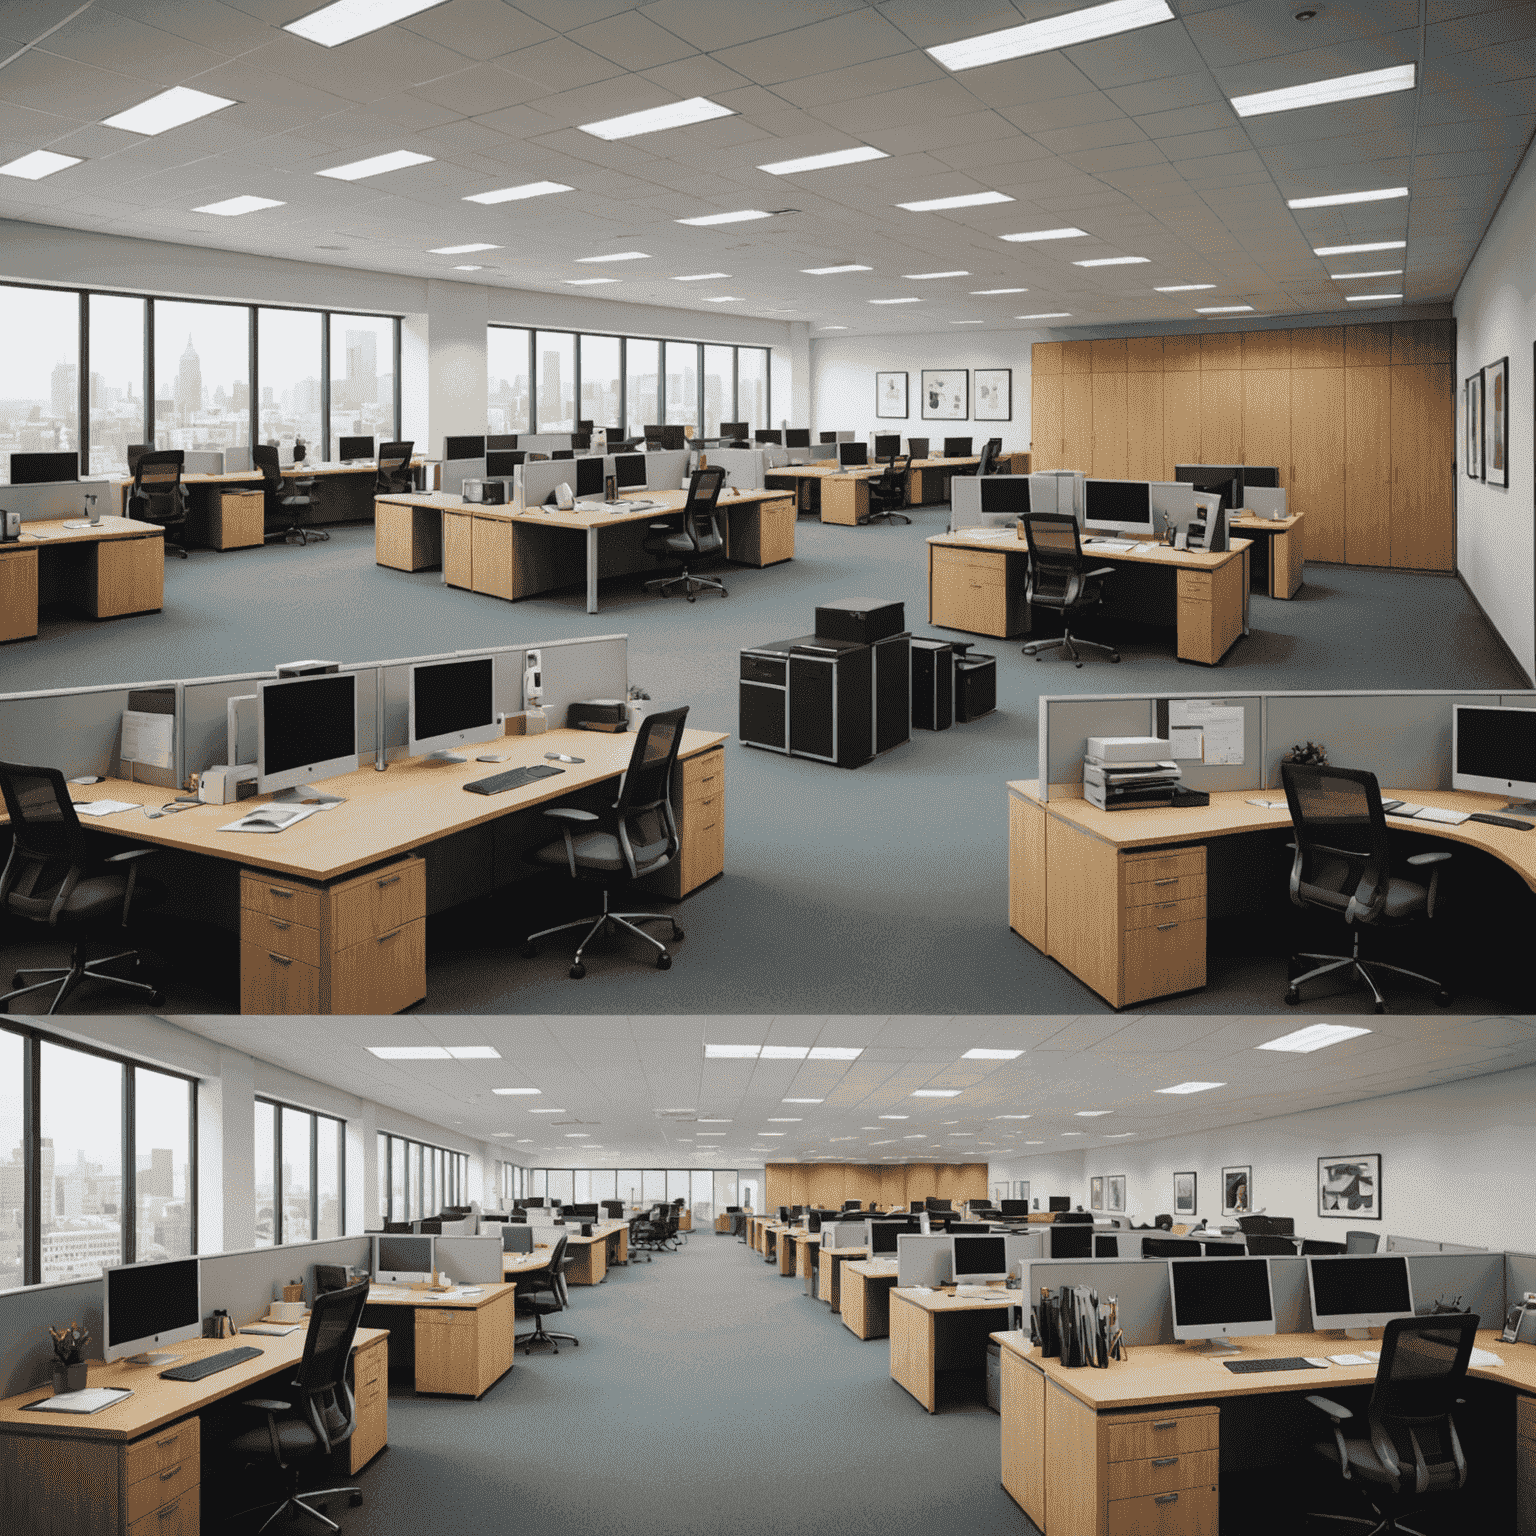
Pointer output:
1181, 421
1316, 485
1045, 424
1077, 421
1423, 449
1368, 466
18, 594
1221, 416
1109, 426
1023, 1404
1267, 419
1144, 426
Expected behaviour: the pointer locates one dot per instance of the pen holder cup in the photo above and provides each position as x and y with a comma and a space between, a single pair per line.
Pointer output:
69, 1378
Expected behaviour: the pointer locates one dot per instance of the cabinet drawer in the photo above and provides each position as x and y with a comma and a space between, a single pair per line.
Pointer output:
276, 933
1153, 1435
1195, 586
1166, 958
155, 1453
1158, 913
383, 974
445, 1317
1139, 868
272, 983
1188, 1512
1525, 1417
178, 1518
287, 899
704, 772
987, 570
1162, 1474
1152, 893
160, 1488
378, 903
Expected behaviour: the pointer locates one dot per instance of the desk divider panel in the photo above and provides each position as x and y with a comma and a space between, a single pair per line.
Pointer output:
922, 1260
1519, 1276
1065, 724
243, 1284
1469, 1282
743, 466
77, 730
667, 470
1219, 776
1394, 1244
26, 1354
470, 1260
1403, 738
60, 498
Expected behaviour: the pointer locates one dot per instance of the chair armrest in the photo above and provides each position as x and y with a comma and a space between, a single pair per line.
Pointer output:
267, 1405
1335, 1411
1103, 570
1440, 856
132, 853
569, 813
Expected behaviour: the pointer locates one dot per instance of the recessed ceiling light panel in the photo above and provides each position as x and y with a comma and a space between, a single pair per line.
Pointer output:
1226, 309
963, 200
984, 1053
731, 1052
346, 19
836, 1052
170, 109
1185, 288
1359, 250
1192, 1087
1313, 1038
701, 277
829, 271
1027, 236
518, 194
676, 114
616, 256
925, 277
41, 163
1081, 26
463, 250
515, 1092
1367, 298
376, 165
785, 1052
1340, 199
825, 162
740, 216
935, 1093
233, 207
1317, 93
1114, 261
984, 293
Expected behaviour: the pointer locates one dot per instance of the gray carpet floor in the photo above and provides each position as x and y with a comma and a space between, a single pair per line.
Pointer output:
882, 890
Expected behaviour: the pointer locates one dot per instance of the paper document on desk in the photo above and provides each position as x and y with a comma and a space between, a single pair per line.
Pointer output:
1206, 731
149, 739
1484, 1357
87, 1400
103, 807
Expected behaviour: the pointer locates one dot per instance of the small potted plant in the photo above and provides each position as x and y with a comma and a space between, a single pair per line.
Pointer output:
69, 1357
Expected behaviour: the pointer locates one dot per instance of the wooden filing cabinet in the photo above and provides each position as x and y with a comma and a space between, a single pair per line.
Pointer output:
1525, 1466
18, 593
1210, 611
237, 520
126, 576
464, 1351
698, 803
722, 1222
458, 547
370, 1391
1162, 918
761, 537
407, 538
1023, 1413
976, 590
162, 1474
845, 499
358, 946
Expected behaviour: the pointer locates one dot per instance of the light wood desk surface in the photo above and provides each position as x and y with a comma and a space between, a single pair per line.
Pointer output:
935, 1332
865, 1295
945, 1300
51, 531
1280, 551
408, 1296
1160, 554
121, 570
874, 1269
514, 1264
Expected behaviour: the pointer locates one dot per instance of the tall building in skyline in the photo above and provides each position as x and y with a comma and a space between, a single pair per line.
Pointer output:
65, 389
362, 381
189, 384
550, 408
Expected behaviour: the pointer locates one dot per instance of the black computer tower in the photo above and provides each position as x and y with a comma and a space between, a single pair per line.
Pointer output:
864, 619
893, 691
975, 684
933, 685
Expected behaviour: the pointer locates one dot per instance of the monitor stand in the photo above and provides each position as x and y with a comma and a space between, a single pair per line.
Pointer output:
1359, 1333
304, 795
153, 1357
1521, 807
1216, 1349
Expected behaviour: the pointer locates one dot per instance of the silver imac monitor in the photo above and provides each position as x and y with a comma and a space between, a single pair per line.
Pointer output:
1216, 1300
147, 1305
306, 729
1118, 506
1493, 751
978, 1257
402, 1258
452, 704
1173, 504
1358, 1292
1004, 498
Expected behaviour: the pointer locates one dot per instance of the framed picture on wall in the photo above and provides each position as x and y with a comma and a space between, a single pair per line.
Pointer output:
1114, 1192
946, 394
891, 396
1474, 419
1096, 1193
1350, 1187
1021, 1189
1184, 1203
1237, 1191
1496, 423
994, 394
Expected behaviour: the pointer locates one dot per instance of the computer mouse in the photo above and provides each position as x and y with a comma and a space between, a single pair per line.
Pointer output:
263, 819
563, 757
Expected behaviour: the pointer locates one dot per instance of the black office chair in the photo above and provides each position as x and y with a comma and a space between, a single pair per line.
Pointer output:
1413, 1450
51, 877
888, 492
695, 537
1224, 1250
322, 1415
635, 836
1343, 865
990, 453
395, 474
159, 497
1361, 1242
917, 448
135, 452
1267, 1246
541, 1295
1059, 580
290, 501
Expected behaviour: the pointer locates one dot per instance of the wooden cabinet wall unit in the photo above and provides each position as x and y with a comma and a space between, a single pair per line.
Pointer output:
827, 1185
358, 946
1360, 420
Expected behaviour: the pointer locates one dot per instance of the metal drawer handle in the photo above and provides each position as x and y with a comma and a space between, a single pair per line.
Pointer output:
1166, 1424
1162, 906
1166, 1498
281, 959
165, 1477
169, 1510
279, 891
277, 922
1171, 880
170, 1439
1166, 1461
384, 938
1164, 927
393, 879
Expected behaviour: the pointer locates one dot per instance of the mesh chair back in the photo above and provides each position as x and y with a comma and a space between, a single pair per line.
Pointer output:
646, 827
322, 1374
1266, 1245
699, 510
136, 451
892, 485
46, 839
159, 472
1343, 859
1055, 556
264, 457
1423, 1364
989, 452
1361, 1242
393, 457
917, 447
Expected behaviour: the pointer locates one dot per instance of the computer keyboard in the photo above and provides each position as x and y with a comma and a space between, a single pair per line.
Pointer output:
210, 1365
513, 778
1286, 1363
1120, 544
1501, 821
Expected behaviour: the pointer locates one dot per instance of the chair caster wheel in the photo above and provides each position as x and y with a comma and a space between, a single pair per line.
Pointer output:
692, 598
663, 961
157, 999
1292, 996
529, 951
1381, 1007
1079, 664
1443, 998
356, 1501
578, 971
677, 933
1114, 655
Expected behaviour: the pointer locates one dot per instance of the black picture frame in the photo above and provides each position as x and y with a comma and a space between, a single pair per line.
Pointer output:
886, 389
1237, 1189
943, 391
1186, 1200
1349, 1187
993, 391
1496, 423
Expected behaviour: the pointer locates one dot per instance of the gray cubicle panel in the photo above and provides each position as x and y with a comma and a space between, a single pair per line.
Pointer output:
1519, 1276
245, 1283
1461, 1282
842, 1234
202, 461
743, 466
922, 1260
1211, 777
543, 442
237, 461
1023, 1248
595, 667
666, 469
1393, 1243
57, 498
454, 472
76, 730
1065, 724
470, 1260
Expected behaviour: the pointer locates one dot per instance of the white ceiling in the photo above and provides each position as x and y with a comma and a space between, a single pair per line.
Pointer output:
613, 1077
1130, 138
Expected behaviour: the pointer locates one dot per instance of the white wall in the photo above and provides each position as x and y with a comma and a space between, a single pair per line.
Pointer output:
1495, 310
1055, 1173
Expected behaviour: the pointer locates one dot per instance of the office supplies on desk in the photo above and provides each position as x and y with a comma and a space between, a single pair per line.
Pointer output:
513, 778
270, 818
1349, 1359
87, 1400
491, 757
211, 1365
597, 715
1424, 812
563, 757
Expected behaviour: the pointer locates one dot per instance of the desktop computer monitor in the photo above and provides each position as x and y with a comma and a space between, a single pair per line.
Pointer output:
1215, 1300
917, 447
1014, 1207
452, 704
1071, 1242
500, 463
784, 1214
1060, 1203
1119, 506
1357, 1292
517, 1237
581, 442
1006, 495
880, 1236
797, 437
453, 447
349, 448
653, 431
629, 471
674, 439
736, 431
1265, 477
500, 442
147, 1305
957, 447
1493, 750
399, 1259
589, 476
852, 455
306, 729
887, 445
813, 1221
853, 1205
44, 468
764, 435
976, 1257
1226, 480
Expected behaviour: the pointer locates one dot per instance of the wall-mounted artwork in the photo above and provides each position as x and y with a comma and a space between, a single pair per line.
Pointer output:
1237, 1191
1021, 1189
946, 394
1184, 1185
891, 396
994, 394
1114, 1192
1096, 1193
1496, 423
1350, 1187
1474, 419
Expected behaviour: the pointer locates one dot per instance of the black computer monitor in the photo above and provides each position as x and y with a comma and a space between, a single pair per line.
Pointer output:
852, 455
1071, 1242
562, 453
1225, 480
1263, 477
1005, 494
306, 729
581, 441
1118, 506
887, 444
589, 476
853, 1205
784, 1214
517, 1239
957, 447
145, 1306
813, 1221
883, 1235
674, 439
453, 447
1218, 1301
44, 468
826, 437
735, 430
653, 431
1014, 1207
1060, 1203
936, 1204
767, 435
500, 442
1104, 1246
451, 704
499, 465
629, 470
797, 437
1493, 751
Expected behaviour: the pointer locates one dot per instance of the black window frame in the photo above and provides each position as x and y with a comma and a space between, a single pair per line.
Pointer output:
313, 1164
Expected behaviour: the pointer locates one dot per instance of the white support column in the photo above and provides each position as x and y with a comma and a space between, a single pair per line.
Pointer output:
226, 1139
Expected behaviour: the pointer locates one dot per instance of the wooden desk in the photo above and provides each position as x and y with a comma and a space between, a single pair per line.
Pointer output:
757, 1227
866, 1297
794, 1247
1137, 1447
113, 569
829, 1286
135, 1467
804, 480
342, 926
464, 1345
1278, 552
940, 1332
1119, 897
977, 584
931, 477
592, 1254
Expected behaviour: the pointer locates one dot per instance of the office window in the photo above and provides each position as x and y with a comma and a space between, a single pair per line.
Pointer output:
642, 385
678, 1184
398, 1202
330, 1149
13, 1164
562, 1184
382, 1178
288, 372
298, 1207
81, 1129
413, 1210
701, 1197
725, 1189
600, 385
363, 353
653, 1185
202, 375
719, 389
509, 401
556, 355
117, 381
162, 1166
41, 413
752, 387
288, 1140
538, 1183
264, 1157
681, 405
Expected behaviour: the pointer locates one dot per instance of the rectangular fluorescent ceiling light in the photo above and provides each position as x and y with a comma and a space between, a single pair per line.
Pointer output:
804, 1101
967, 322
1012, 1117
376, 165
587, 282
1074, 1133
1113, 261
935, 1093
712, 1120
517, 194
964, 200
785, 1119
984, 293
1313, 1038
546, 1111
836, 1052
513, 1092
346, 19
766, 1134
831, 327
924, 277
723, 298
1191, 1087
1061, 314
577, 1136
469, 269
731, 1052
616, 256
1339, 277
434, 1052
1052, 33
463, 250
40, 163
232, 207
676, 114
1374, 82
895, 301
1045, 234
1091, 1114
170, 109
701, 277
1338, 199
740, 216
824, 162
1365, 298
1185, 288
829, 271
895, 1117
1226, 309
983, 1053
1359, 250
785, 1052
474, 1053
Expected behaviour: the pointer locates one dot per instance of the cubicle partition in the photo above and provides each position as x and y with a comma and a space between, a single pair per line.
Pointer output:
470, 1260
58, 498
